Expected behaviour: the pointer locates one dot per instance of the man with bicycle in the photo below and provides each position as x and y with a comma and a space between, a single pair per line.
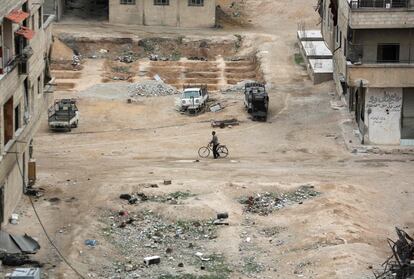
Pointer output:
214, 141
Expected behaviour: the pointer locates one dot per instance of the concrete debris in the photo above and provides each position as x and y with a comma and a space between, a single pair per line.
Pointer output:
126, 59
237, 88
198, 58
337, 105
152, 260
151, 88
150, 234
222, 215
156, 57
172, 198
216, 107
220, 222
265, 203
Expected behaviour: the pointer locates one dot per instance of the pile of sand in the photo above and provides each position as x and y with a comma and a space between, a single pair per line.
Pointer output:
60, 51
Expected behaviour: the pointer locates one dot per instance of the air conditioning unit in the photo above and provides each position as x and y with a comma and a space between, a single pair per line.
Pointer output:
24, 273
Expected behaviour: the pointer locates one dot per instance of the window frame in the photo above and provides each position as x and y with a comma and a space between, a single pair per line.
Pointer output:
161, 2
193, 3
127, 2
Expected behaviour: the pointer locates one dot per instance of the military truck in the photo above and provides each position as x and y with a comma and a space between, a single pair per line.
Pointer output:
63, 115
256, 100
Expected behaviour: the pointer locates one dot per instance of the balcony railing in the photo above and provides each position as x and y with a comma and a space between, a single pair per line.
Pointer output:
384, 4
355, 54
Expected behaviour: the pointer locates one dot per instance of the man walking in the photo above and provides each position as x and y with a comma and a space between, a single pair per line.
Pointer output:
215, 143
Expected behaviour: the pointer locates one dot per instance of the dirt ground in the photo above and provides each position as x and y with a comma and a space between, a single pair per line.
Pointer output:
123, 148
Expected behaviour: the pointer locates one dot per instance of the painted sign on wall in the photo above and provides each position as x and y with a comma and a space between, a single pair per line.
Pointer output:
383, 115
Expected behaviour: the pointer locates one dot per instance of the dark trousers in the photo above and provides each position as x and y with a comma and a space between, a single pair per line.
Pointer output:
215, 153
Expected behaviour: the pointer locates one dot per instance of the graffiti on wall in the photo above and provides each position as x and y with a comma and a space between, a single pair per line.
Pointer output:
384, 105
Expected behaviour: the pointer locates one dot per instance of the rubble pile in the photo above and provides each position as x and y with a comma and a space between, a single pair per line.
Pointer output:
174, 245
172, 198
151, 88
265, 203
237, 88
401, 264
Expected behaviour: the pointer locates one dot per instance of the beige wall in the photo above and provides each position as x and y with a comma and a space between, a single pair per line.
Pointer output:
125, 14
177, 13
12, 84
391, 75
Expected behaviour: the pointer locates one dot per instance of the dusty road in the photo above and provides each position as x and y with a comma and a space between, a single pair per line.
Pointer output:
122, 148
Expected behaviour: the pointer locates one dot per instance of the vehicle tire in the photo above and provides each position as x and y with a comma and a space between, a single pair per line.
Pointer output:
223, 151
204, 152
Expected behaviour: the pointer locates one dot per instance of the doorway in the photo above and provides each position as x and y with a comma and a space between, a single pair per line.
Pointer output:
87, 9
407, 118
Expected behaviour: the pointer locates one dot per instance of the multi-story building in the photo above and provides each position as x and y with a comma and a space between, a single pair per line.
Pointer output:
177, 13
25, 39
372, 42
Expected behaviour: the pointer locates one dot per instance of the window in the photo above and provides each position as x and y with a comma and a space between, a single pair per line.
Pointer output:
388, 53
8, 120
162, 2
39, 85
127, 2
40, 18
195, 2
16, 118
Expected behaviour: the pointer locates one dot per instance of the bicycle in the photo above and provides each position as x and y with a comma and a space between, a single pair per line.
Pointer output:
205, 151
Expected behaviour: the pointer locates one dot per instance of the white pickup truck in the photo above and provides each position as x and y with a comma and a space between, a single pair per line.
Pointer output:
194, 98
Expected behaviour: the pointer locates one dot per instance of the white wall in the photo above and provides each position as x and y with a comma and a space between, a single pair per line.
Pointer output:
384, 121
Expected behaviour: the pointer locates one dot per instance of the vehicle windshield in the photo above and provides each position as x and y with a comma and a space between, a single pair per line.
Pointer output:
191, 94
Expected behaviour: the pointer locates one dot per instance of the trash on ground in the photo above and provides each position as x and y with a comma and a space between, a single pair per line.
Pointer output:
401, 264
224, 123
24, 273
266, 203
91, 242
14, 219
13, 244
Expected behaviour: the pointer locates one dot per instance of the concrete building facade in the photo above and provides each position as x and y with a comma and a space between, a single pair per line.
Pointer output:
372, 42
176, 13
25, 39
179, 13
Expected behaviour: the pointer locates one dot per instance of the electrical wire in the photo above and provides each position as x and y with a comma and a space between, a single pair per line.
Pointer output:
43, 227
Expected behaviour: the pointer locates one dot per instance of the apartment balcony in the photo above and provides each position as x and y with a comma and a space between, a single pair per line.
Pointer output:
381, 14
379, 65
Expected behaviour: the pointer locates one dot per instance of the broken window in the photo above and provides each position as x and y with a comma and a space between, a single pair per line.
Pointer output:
8, 120
195, 2
388, 53
127, 2
162, 2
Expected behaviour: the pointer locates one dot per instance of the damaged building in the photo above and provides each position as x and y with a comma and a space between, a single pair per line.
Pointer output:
176, 13
25, 39
372, 42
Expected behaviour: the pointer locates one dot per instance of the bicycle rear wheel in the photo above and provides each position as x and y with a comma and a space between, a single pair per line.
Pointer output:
204, 152
223, 151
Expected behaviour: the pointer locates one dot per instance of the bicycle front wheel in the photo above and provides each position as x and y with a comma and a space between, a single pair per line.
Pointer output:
204, 152
223, 151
